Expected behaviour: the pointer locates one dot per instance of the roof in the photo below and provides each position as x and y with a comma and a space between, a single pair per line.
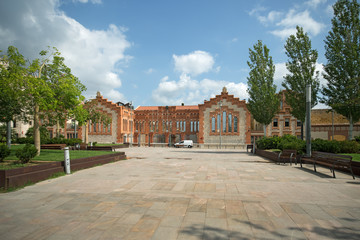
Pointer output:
155, 108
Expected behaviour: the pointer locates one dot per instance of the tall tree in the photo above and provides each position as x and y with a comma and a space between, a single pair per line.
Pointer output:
52, 90
342, 71
12, 73
263, 100
301, 65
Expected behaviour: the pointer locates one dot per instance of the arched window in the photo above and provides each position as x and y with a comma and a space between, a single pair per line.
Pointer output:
230, 123
224, 121
218, 123
213, 124
235, 124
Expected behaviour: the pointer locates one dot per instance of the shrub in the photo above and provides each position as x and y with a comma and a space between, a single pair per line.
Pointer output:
268, 142
44, 134
321, 145
26, 153
26, 140
349, 147
4, 152
357, 138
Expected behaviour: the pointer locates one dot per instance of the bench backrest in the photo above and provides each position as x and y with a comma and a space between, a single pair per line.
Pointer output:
289, 152
331, 156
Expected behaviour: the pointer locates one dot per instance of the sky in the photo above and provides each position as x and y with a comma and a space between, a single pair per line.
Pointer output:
163, 52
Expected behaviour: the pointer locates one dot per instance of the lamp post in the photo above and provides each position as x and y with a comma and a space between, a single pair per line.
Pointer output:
220, 105
308, 120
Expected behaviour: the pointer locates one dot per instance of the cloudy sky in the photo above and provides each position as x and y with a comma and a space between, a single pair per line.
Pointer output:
162, 52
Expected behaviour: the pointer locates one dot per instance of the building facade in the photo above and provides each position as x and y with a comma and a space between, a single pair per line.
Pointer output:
120, 129
221, 122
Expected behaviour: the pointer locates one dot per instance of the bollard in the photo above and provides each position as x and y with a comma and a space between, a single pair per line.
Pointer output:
67, 160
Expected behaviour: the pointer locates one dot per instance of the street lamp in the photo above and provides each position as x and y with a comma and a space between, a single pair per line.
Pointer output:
220, 105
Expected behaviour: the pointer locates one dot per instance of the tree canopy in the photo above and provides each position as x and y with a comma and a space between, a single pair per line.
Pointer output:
342, 72
301, 66
263, 99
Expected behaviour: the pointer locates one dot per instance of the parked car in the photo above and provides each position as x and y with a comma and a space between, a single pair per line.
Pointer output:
184, 143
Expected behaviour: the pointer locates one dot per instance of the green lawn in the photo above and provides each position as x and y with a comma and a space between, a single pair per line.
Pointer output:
47, 155
355, 156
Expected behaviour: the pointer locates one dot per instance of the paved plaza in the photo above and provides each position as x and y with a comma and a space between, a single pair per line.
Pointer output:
162, 193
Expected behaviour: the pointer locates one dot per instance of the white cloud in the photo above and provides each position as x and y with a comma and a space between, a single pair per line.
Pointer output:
270, 18
292, 19
86, 1
95, 56
189, 91
281, 71
150, 71
284, 23
194, 63
315, 3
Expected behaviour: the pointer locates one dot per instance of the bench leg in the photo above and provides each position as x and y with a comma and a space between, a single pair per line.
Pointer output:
314, 167
352, 172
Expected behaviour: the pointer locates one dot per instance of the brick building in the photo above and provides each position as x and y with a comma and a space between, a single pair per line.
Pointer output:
119, 130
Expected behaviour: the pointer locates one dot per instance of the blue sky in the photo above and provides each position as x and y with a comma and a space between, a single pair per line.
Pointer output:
162, 52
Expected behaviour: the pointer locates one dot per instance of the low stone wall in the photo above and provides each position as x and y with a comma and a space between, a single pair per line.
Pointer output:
267, 154
21, 176
274, 157
223, 146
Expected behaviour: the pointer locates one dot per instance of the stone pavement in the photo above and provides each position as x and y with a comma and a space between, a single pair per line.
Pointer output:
163, 193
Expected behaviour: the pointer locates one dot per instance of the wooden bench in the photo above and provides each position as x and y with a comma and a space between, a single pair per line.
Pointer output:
53, 146
100, 148
287, 154
331, 160
249, 146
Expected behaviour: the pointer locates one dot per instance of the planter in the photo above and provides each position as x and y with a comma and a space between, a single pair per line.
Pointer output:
267, 154
21, 176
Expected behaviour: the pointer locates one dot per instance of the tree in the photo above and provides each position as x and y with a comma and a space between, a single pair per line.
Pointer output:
301, 65
342, 72
263, 100
52, 90
12, 73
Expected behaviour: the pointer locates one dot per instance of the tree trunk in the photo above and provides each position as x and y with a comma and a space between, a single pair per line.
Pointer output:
351, 127
264, 130
36, 129
8, 134
86, 133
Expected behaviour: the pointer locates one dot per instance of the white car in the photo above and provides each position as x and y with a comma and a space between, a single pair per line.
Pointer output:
184, 143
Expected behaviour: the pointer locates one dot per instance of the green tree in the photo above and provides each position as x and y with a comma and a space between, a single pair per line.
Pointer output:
52, 90
301, 65
263, 100
12, 98
342, 71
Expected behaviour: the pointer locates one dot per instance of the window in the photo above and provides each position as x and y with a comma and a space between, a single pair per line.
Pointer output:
170, 126
275, 122
150, 127
224, 121
287, 122
177, 125
298, 123
191, 126
230, 122
136, 126
235, 124
109, 127
218, 122
184, 125
213, 124
94, 126
89, 126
